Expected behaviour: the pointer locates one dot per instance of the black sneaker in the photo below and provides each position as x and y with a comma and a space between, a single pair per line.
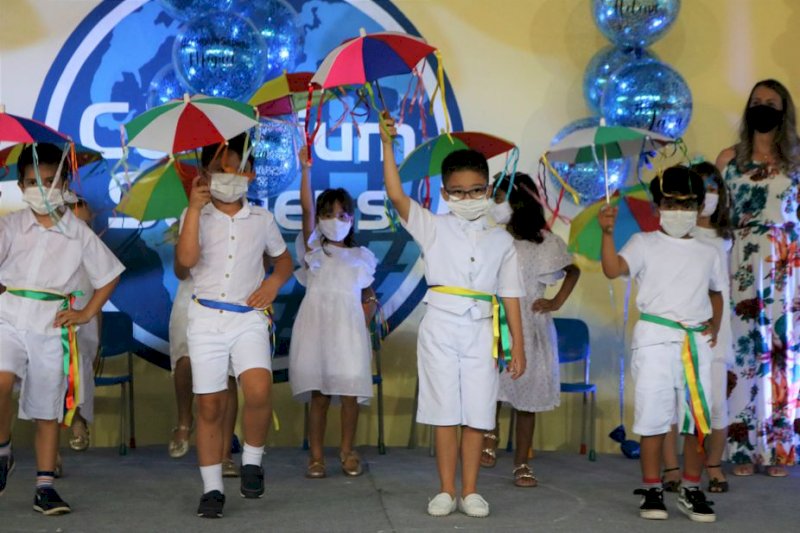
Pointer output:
211, 505
252, 481
692, 502
6, 467
48, 502
652, 507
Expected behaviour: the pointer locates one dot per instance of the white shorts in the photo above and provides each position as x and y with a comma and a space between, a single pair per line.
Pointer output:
38, 361
660, 386
719, 394
458, 379
218, 340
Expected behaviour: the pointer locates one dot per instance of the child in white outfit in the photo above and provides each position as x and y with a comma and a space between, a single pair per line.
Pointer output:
467, 265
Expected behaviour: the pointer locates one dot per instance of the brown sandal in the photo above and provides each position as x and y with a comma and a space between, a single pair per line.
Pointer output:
351, 463
670, 485
489, 454
316, 469
523, 476
715, 484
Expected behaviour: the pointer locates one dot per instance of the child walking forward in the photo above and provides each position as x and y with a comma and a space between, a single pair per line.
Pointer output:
331, 352
680, 282
543, 260
43, 251
467, 265
222, 241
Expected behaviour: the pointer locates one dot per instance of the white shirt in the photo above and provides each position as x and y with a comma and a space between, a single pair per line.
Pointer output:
231, 264
674, 277
466, 254
63, 259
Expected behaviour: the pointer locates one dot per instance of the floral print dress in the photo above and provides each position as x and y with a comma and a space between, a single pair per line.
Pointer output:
764, 384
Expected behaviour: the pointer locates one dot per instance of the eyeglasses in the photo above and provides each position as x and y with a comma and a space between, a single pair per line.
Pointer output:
473, 194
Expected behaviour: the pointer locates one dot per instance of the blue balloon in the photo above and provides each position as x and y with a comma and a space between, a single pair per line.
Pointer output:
588, 179
634, 23
278, 24
648, 95
220, 54
605, 63
184, 10
276, 159
164, 87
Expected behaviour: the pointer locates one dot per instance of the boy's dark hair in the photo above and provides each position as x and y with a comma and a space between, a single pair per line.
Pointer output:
325, 203
464, 160
721, 218
679, 181
527, 218
236, 145
47, 154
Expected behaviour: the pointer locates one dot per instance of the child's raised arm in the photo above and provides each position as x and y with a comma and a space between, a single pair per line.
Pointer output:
391, 176
306, 194
187, 251
614, 265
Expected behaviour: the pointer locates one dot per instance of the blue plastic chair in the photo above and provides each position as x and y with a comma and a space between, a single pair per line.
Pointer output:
116, 338
573, 347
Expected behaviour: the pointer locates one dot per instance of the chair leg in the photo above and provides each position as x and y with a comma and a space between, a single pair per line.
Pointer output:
381, 436
592, 424
305, 426
123, 412
412, 434
512, 420
583, 425
131, 412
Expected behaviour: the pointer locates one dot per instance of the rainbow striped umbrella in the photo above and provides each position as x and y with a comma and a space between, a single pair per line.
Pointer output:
10, 155
26, 130
159, 192
286, 94
190, 123
426, 159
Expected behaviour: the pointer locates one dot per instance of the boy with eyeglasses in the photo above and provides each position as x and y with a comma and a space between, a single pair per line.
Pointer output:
468, 265
680, 281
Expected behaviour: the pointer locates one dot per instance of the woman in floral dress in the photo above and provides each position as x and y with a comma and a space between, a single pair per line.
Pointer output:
762, 171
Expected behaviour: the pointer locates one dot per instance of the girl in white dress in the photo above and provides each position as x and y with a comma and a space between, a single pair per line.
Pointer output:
331, 351
544, 260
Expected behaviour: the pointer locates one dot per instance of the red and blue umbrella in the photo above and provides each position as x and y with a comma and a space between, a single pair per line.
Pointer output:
26, 130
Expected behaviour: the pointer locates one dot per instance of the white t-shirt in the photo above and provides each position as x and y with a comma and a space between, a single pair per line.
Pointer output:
466, 254
231, 264
674, 277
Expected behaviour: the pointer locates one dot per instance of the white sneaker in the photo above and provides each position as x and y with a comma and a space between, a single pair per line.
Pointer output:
441, 505
474, 505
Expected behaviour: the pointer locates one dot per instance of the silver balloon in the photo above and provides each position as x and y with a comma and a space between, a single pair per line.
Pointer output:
605, 63
188, 9
276, 160
634, 23
277, 21
588, 179
164, 87
648, 95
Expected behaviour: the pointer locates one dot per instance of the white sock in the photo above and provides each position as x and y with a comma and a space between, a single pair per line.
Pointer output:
212, 478
252, 455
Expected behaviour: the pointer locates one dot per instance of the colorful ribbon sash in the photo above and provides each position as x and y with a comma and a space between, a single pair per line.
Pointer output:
695, 395
499, 320
69, 344
236, 308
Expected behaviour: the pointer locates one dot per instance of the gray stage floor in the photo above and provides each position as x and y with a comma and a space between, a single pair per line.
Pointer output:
146, 491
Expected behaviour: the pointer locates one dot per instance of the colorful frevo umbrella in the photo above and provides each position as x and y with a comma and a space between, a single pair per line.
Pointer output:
599, 144
16, 129
190, 123
369, 57
636, 213
10, 155
160, 191
285, 95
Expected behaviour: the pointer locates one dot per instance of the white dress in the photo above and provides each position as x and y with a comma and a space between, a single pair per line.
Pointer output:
538, 389
179, 321
330, 350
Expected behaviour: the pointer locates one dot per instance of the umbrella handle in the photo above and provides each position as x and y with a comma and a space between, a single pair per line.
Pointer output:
380, 95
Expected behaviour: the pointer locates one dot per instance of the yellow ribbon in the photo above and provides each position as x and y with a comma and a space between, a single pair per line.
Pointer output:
563, 183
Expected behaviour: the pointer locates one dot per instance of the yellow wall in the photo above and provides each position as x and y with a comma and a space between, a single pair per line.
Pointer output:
517, 66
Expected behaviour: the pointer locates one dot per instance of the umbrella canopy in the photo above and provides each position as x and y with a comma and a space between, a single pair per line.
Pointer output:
25, 130
636, 213
588, 145
284, 95
370, 57
10, 155
426, 159
190, 123
161, 191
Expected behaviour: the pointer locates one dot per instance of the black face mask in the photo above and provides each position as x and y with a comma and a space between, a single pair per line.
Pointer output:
764, 118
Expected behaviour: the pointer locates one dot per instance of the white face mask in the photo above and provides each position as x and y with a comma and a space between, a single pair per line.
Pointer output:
678, 224
335, 230
501, 213
468, 208
710, 204
227, 187
36, 201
